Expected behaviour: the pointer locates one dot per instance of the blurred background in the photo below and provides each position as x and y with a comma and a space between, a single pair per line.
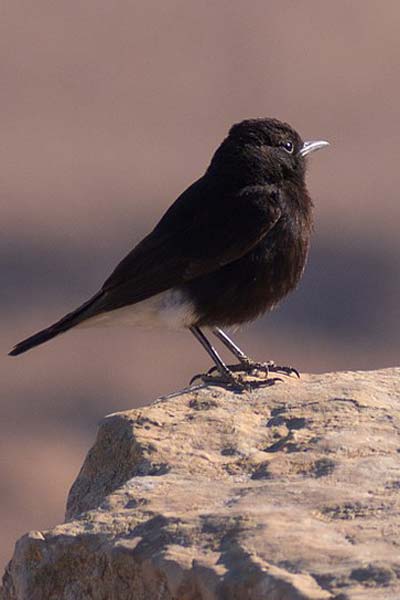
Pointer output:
108, 111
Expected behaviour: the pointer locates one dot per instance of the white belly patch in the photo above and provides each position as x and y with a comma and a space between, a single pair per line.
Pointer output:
171, 309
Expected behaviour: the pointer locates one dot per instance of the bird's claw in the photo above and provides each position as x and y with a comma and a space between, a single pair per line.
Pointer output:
253, 368
233, 381
250, 369
282, 369
225, 380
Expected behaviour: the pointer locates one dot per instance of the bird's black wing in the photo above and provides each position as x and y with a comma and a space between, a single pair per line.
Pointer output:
200, 233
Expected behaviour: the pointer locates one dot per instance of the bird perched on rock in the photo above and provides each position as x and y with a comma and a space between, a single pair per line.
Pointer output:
228, 249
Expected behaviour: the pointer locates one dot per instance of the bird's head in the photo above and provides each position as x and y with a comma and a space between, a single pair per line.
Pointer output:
259, 151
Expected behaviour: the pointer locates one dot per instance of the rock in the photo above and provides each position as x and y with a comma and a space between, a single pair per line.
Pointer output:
290, 492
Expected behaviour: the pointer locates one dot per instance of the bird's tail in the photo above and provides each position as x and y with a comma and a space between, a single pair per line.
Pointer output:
70, 320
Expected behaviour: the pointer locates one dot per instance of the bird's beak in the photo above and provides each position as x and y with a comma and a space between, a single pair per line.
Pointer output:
312, 146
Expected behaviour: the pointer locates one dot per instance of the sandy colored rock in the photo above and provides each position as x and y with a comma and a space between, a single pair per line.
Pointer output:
291, 492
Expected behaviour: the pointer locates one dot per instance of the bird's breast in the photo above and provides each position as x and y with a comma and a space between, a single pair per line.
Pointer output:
246, 288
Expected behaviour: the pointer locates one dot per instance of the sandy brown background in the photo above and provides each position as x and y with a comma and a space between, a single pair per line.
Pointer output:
108, 110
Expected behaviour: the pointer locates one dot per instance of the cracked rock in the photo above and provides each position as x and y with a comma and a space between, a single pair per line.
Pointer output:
291, 492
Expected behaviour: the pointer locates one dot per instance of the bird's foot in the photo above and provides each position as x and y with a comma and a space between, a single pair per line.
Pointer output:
256, 368
233, 381
274, 368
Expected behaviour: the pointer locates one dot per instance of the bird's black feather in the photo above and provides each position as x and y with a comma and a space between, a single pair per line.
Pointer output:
235, 242
175, 252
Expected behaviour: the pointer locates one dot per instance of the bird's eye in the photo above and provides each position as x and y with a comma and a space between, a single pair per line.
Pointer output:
288, 146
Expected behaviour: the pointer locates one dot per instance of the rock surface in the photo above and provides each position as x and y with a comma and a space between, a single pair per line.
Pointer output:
289, 492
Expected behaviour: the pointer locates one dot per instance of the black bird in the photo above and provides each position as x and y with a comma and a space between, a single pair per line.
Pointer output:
228, 249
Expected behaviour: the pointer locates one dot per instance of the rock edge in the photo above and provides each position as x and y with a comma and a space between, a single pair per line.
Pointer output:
290, 492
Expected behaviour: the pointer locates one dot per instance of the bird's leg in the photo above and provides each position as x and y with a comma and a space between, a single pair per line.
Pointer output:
247, 364
226, 376
230, 344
